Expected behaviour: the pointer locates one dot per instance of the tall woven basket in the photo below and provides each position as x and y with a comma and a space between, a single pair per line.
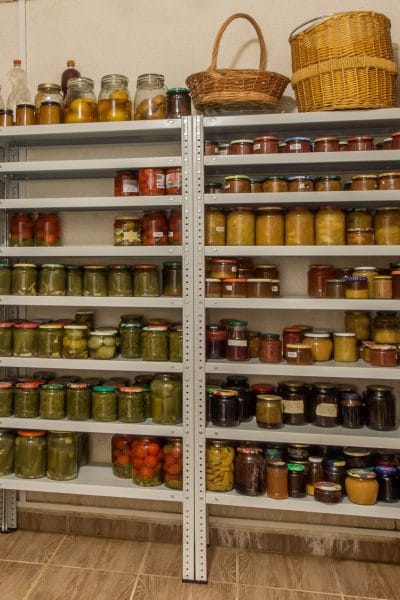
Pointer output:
217, 91
344, 61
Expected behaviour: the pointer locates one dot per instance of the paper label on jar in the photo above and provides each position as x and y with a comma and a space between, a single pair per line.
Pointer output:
294, 407
291, 354
160, 181
158, 234
295, 146
229, 288
234, 269
173, 180
237, 343
220, 229
326, 410
274, 288
129, 187
170, 234
256, 146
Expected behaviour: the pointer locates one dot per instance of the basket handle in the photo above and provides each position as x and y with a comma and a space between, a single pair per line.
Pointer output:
263, 51
314, 20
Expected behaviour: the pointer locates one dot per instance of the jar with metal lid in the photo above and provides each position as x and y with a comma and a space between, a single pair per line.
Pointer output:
6, 452
370, 273
62, 457
237, 346
130, 404
175, 343
325, 405
152, 181
301, 183
250, 471
21, 231
299, 354
172, 279
298, 144
127, 231
314, 474
382, 285
351, 411
357, 287
345, 347
335, 288
178, 103
75, 341
241, 147
173, 463
121, 455
155, 343
49, 340
320, 344
6, 398
364, 182
328, 183
84, 317
389, 181
240, 226
359, 218
360, 237
95, 280
270, 350
381, 408
6, 338
212, 288
336, 471
245, 403
387, 225
114, 102
150, 97
210, 148
173, 181
52, 401
5, 278
216, 338
277, 480
154, 226
233, 288
360, 142
25, 114
317, 277
270, 226
326, 144
358, 322
220, 456
224, 408
388, 482
294, 399
24, 279
119, 280
265, 144
26, 400
362, 487
269, 411
104, 403
126, 183
80, 102
78, 401
52, 280
358, 458
102, 344
48, 104
166, 399
330, 226
146, 281
30, 454
299, 227
296, 480
386, 327
130, 339
266, 272
275, 184
223, 268
237, 184
258, 389
327, 492
25, 339
214, 232
147, 457
73, 280
6, 117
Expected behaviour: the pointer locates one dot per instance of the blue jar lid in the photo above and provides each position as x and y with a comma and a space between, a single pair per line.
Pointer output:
299, 139
382, 470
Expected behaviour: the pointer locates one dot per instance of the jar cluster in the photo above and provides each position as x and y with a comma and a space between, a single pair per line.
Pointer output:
148, 461
297, 471
141, 280
149, 181
152, 228
234, 401
26, 229
156, 397
301, 226
240, 278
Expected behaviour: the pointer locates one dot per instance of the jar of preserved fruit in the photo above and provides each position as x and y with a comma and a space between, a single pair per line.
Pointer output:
275, 184
381, 408
102, 344
30, 454
256, 186
75, 341
127, 231
25, 339
364, 182
382, 286
6, 452
6, 117
298, 144
130, 404
52, 401
237, 347
265, 144
237, 184
155, 343
320, 344
21, 232
210, 148
213, 288
150, 97
270, 227
130, 339
95, 280
49, 340
357, 287
360, 237
48, 104
266, 272
173, 463
24, 279
224, 408
126, 183
359, 218
121, 452
147, 457
6, 399
216, 338
326, 144
175, 228
314, 474
152, 181
240, 226
299, 354
178, 103
241, 147
387, 225
119, 280
223, 268
358, 322
299, 227
270, 350
73, 280
233, 288
80, 102
351, 410
154, 228
345, 347
301, 183
360, 142
327, 492
317, 277
25, 114
330, 226
328, 183
104, 403
6, 338
172, 279
214, 232
294, 398
175, 343
269, 411
146, 281
78, 401
370, 273
26, 400
52, 280
277, 480
325, 405
395, 283
166, 399
250, 471
220, 456
389, 181
62, 458
385, 329
5, 278
114, 103
362, 487
296, 480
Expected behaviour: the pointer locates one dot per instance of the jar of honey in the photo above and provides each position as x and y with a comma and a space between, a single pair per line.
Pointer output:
360, 237
358, 322
370, 273
320, 343
270, 226
328, 183
301, 183
357, 288
223, 268
382, 285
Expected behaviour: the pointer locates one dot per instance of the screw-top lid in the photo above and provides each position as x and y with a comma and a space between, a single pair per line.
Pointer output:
104, 388
361, 474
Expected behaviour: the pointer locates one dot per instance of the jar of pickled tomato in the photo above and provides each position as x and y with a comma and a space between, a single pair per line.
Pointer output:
154, 228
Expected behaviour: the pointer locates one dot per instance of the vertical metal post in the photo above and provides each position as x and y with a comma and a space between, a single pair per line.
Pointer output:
8, 510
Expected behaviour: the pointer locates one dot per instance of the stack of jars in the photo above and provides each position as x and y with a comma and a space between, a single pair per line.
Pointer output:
239, 278
153, 228
25, 230
150, 181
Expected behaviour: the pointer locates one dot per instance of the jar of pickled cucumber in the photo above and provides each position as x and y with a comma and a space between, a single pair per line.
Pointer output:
85, 317
130, 404
52, 280
330, 226
299, 227
130, 339
6, 452
75, 341
30, 454
50, 338
80, 102
166, 399
121, 455
6, 338
150, 97
114, 102
95, 280
173, 463
155, 342
146, 457
26, 400
24, 279
78, 401
175, 343
102, 343
62, 457
172, 279
104, 403
6, 398
119, 280
73, 280
5, 278
146, 281
52, 401
220, 456
25, 339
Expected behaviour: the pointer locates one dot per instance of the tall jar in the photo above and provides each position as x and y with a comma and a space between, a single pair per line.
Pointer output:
6, 338
155, 343
6, 452
48, 104
25, 340
325, 405
240, 226
172, 278
6, 398
114, 103
75, 341
316, 280
62, 457
175, 343
47, 230
130, 339
121, 455
178, 103
80, 102
358, 322
49, 342
146, 281
299, 227
130, 404
237, 348
52, 401
330, 226
220, 456
277, 480
250, 471
387, 225
214, 234
216, 337
30, 454
26, 400
175, 227
173, 463
95, 280
21, 231
294, 400
5, 279
269, 411
147, 457
52, 280
166, 399
119, 280
154, 226
270, 226
150, 97
381, 408
73, 280
104, 403
24, 279
224, 408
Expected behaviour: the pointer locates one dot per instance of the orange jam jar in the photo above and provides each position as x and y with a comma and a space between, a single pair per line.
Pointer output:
362, 487
389, 181
320, 343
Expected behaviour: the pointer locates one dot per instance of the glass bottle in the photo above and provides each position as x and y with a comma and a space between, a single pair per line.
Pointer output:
150, 98
69, 73
80, 102
20, 94
114, 102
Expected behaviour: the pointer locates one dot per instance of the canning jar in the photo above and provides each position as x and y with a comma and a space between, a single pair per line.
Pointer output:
345, 347
119, 280
383, 355
250, 471
299, 354
75, 341
265, 144
388, 482
48, 104
382, 285
24, 279
277, 480
335, 471
270, 350
326, 144
26, 400
395, 284
269, 411
49, 340
301, 183
223, 268
114, 103
241, 147
130, 339
47, 230
50, 112
357, 287
52, 401
5, 278
240, 226
166, 399
359, 218
210, 148
239, 384
214, 226
291, 335
266, 272
261, 288
6, 452
314, 474
358, 458
6, 398
330, 226
327, 492
385, 327
358, 322
324, 405
296, 480
146, 456
237, 184
126, 183
155, 343
52, 280
80, 102
173, 463
78, 401
370, 273
102, 344
275, 184
21, 232
360, 237
173, 181
104, 403
127, 231
178, 103
150, 97
335, 288
25, 114
381, 408
362, 487
212, 288
237, 347
328, 183
175, 343
220, 457
6, 338
6, 117
172, 279
146, 281
154, 226
233, 288
121, 455
316, 278
224, 408
270, 227
216, 338
364, 182
294, 398
299, 227
84, 317
298, 144
152, 181
175, 228
62, 458
389, 181
25, 339
130, 404
320, 344
387, 225
360, 142
351, 410
30, 454
95, 280
73, 280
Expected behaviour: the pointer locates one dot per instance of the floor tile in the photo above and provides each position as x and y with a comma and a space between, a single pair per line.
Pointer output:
250, 592
390, 575
362, 579
161, 588
29, 546
163, 559
308, 573
214, 591
68, 583
222, 564
16, 579
100, 553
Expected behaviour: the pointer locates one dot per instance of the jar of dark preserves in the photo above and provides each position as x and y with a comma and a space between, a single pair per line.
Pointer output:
325, 405
291, 335
296, 480
351, 410
224, 408
336, 471
388, 481
317, 277
250, 471
360, 142
315, 473
265, 144
244, 396
381, 408
294, 395
178, 103
237, 347
237, 184
269, 411
270, 350
216, 338
358, 458
298, 144
241, 147
210, 149
326, 144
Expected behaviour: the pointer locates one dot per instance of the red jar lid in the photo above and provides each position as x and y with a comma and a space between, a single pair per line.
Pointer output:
26, 325
235, 280
145, 267
355, 138
266, 138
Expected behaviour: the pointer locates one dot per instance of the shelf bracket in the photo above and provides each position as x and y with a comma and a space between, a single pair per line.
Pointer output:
8, 508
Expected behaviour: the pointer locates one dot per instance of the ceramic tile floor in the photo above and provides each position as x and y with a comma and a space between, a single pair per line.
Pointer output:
47, 566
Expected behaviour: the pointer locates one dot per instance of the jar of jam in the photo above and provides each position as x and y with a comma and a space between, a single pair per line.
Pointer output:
345, 347
299, 354
294, 395
215, 221
240, 226
325, 405
314, 474
220, 456
335, 288
360, 142
389, 181
241, 147
237, 347
387, 225
121, 455
351, 411
336, 471
298, 144
265, 144
299, 227
21, 232
359, 218
210, 148
275, 184
388, 482
266, 272
258, 389
250, 471
233, 288
154, 226
330, 226
317, 277
382, 285
291, 335
269, 411
126, 183
385, 328
172, 279
223, 268
270, 350
237, 184
320, 344
328, 183
146, 458
357, 287
254, 343
178, 103
381, 408
296, 480
224, 408
277, 480
396, 284
364, 182
301, 183
362, 487
360, 237
327, 492
151, 181
270, 226
326, 144
358, 322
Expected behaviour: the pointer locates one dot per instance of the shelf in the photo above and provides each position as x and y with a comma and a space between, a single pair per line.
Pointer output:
92, 481
331, 369
307, 434
265, 251
90, 251
125, 365
299, 303
92, 203
309, 505
90, 301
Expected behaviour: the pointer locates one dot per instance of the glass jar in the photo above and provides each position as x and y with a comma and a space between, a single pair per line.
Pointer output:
266, 144
75, 341
275, 184
5, 278
270, 227
6, 338
386, 327
130, 404
294, 399
357, 287
270, 350
224, 408
102, 344
172, 279
21, 231
395, 284
147, 456
240, 385
269, 411
62, 459
73, 280
233, 288
26, 400
241, 147
277, 480
387, 225
150, 97
389, 181
47, 230
358, 322
49, 340
154, 226
30, 454
175, 343
130, 339
52, 401
216, 338
266, 271
335, 471
388, 482
173, 181
330, 226
214, 232
383, 355
127, 231
6, 452
327, 492
359, 218
296, 480
223, 268
326, 144
314, 474
250, 471
351, 411
6, 117
104, 403
260, 288
212, 288
210, 148
240, 226
360, 237
152, 181
25, 340
381, 408
173, 463
119, 280
175, 228
52, 280
146, 281
291, 335
237, 184
345, 347
178, 103
114, 103
360, 142
80, 102
220, 457
364, 182
78, 401
382, 285
6, 399
358, 458
317, 277
301, 183
298, 144
370, 273
328, 183
95, 280
48, 104
166, 399
299, 354
155, 343
237, 347
121, 452
24, 279
84, 317
126, 183
320, 344
299, 227
25, 114
325, 405
335, 288
362, 487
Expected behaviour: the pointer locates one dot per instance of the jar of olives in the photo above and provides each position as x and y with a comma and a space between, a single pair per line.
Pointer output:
104, 403
25, 339
26, 400
114, 103
150, 98
78, 401
30, 454
130, 404
50, 336
52, 401
166, 399
121, 455
80, 102
62, 459
24, 279
147, 456
75, 341
146, 281
6, 398
173, 463
220, 456
6, 452
119, 280
155, 343
102, 343
131, 339
95, 280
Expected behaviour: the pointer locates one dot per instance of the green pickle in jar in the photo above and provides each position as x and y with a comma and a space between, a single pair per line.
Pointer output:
73, 280
173, 463
131, 339
172, 279
155, 343
25, 339
52, 280
5, 278
175, 343
131, 404
102, 344
52, 401
220, 456
26, 400
62, 459
146, 281
95, 280
6, 452
30, 454
6, 338
119, 280
6, 398
24, 279
104, 403
50, 336
78, 401
166, 399
75, 341
147, 400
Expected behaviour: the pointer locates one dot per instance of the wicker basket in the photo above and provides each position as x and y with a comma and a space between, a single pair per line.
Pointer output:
218, 91
345, 61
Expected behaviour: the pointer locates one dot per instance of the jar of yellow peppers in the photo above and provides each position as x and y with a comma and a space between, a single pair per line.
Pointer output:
220, 456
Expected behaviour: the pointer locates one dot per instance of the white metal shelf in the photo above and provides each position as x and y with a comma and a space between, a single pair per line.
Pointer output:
92, 481
307, 434
92, 302
117, 364
92, 203
90, 251
300, 303
265, 251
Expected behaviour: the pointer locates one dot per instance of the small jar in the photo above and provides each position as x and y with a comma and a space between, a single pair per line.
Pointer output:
237, 184
78, 401
269, 411
75, 341
6, 117
151, 181
299, 227
130, 340
213, 288
114, 102
327, 492
73, 280
385, 328
381, 408
210, 148
154, 225
119, 280
266, 144
345, 347
315, 473
178, 103
360, 237
104, 403
102, 344
237, 347
172, 279
360, 143
241, 147
220, 456
299, 354
25, 339
26, 400
362, 487
52, 401
383, 355
330, 226
52, 280
224, 408
277, 480
80, 102
266, 272
216, 338
275, 184
146, 457
357, 287
150, 98
320, 344
223, 268
21, 231
294, 395
233, 288
127, 231
250, 471
364, 182
328, 183
270, 350
240, 226
382, 285
326, 144
146, 281
296, 480
175, 343
260, 288
389, 181
25, 114
301, 183
126, 183
49, 340
214, 232
270, 226
5, 278
387, 225
298, 144
359, 218
173, 463
316, 280
325, 405
335, 288
121, 455
48, 104
62, 457
7, 444
30, 454
155, 343
358, 322
24, 279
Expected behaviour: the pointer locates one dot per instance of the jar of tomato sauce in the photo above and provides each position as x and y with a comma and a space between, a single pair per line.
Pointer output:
126, 183
154, 228
270, 350
21, 230
151, 181
147, 458
173, 181
47, 230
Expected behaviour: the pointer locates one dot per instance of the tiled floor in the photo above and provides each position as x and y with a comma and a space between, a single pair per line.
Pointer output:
47, 566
